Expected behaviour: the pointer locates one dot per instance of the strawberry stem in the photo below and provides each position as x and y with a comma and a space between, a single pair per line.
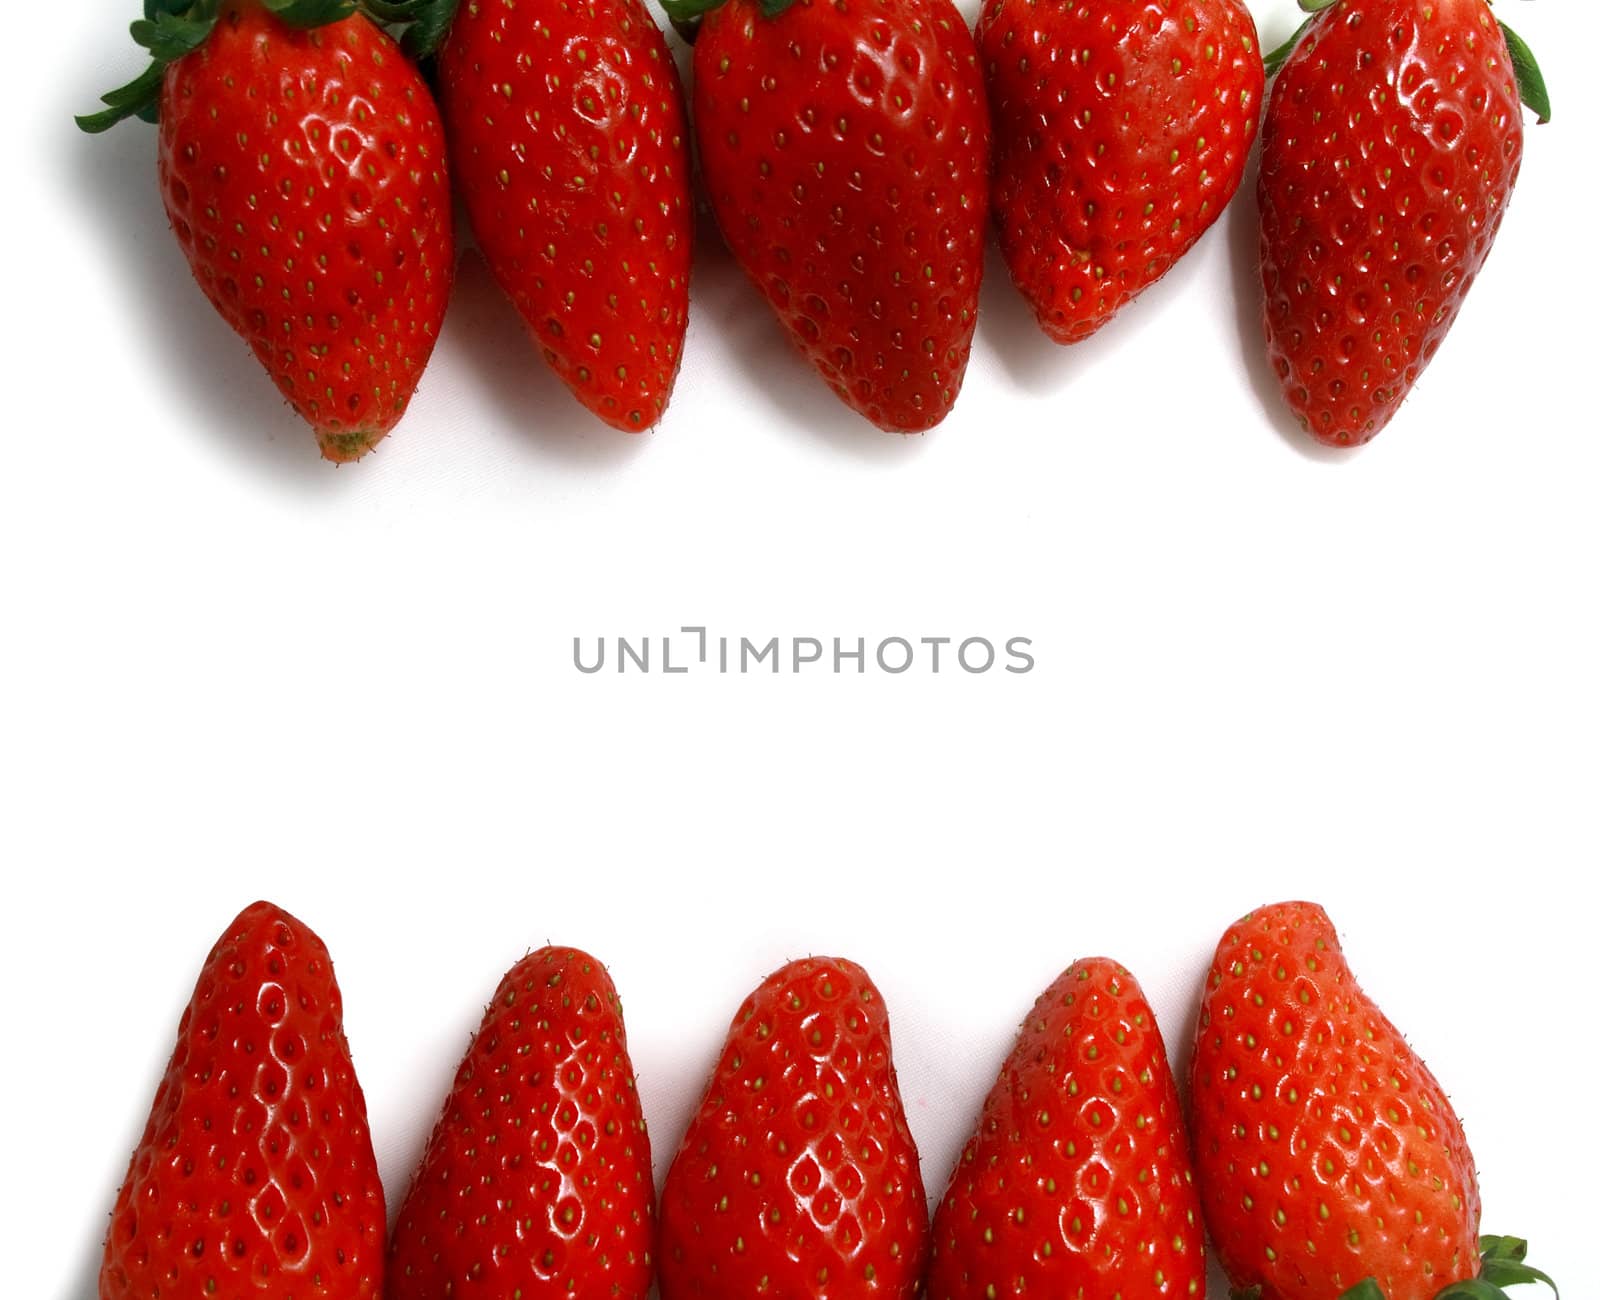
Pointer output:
1278, 57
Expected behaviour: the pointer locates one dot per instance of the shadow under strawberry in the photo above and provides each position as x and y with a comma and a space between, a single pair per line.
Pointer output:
753, 335
1008, 328
484, 330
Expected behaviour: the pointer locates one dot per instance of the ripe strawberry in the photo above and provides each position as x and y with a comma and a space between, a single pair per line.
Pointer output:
1120, 134
1077, 1181
302, 166
255, 1174
536, 1181
798, 1177
1327, 1154
846, 150
570, 149
1391, 144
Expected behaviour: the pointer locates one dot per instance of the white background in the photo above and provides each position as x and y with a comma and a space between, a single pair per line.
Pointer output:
235, 671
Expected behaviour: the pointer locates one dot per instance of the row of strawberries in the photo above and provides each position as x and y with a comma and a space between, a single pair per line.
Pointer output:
1326, 1160
852, 152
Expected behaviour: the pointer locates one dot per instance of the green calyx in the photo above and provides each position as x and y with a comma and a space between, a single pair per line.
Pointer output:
171, 29
310, 13
685, 15
1530, 80
1504, 1263
425, 21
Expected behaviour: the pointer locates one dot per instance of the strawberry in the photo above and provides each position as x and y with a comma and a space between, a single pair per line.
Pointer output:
1120, 134
798, 1178
570, 149
846, 150
1391, 144
303, 170
255, 1174
1077, 1181
1328, 1156
536, 1181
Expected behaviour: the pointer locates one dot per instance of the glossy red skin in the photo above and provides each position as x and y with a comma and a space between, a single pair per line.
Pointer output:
867, 240
571, 153
304, 174
255, 1175
1121, 130
798, 1177
1077, 1181
1326, 1151
536, 1181
1393, 137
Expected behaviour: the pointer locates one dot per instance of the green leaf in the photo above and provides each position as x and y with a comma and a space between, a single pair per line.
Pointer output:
127, 101
688, 12
1497, 1248
393, 11
169, 38
1513, 1272
688, 28
136, 91
310, 13
1530, 81
1316, 6
1366, 1289
428, 30
169, 29
1278, 57
1474, 1288
1504, 1263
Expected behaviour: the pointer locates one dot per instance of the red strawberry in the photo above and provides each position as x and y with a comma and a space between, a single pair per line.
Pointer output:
569, 145
798, 1177
1391, 143
536, 1181
846, 150
1120, 134
1077, 1182
1326, 1151
255, 1174
303, 171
